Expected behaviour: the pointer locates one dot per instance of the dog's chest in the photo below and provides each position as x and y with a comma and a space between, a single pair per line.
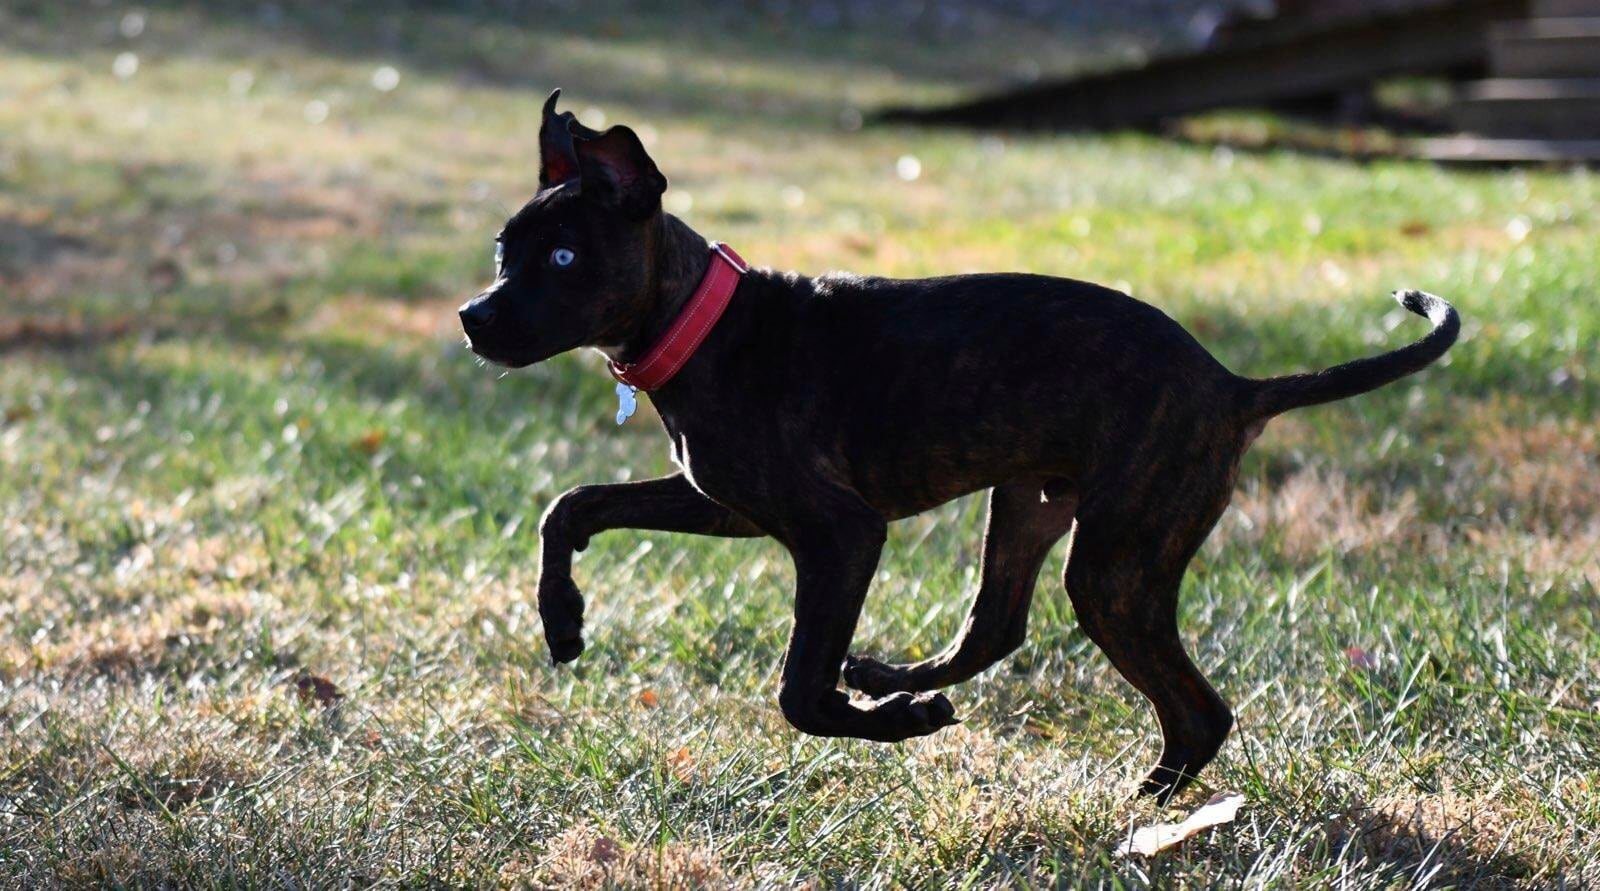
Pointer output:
698, 458
726, 463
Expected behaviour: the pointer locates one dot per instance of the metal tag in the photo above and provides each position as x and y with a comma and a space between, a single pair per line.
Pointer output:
626, 402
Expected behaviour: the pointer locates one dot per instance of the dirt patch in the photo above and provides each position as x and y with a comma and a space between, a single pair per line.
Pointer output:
585, 857
187, 776
177, 638
1452, 838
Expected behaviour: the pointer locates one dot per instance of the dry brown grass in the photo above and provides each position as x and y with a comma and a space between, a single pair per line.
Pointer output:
1314, 511
1524, 493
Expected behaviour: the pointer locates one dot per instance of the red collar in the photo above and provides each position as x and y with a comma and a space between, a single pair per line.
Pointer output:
690, 328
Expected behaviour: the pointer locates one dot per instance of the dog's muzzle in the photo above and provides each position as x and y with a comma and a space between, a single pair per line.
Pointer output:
477, 314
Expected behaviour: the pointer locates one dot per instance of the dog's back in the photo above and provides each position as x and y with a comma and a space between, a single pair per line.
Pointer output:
993, 375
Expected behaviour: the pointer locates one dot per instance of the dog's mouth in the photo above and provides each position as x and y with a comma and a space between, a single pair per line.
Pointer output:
505, 358
515, 356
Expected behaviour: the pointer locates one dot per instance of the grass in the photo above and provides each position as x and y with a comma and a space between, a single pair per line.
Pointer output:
267, 534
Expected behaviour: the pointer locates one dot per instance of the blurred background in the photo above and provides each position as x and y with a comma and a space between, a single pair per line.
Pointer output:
268, 533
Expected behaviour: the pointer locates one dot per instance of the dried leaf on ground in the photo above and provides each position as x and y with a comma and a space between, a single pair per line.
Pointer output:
1361, 659
1150, 840
316, 688
682, 764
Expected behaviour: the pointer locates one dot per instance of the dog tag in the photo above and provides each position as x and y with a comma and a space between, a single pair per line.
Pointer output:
626, 402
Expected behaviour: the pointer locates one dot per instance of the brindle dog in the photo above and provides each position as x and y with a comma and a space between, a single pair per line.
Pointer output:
819, 410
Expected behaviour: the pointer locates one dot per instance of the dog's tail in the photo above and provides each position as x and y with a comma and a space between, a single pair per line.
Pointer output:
1274, 396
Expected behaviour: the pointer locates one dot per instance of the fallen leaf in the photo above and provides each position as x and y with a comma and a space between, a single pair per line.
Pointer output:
318, 689
604, 850
681, 763
649, 699
1219, 809
164, 275
1361, 659
1204, 326
169, 793
371, 441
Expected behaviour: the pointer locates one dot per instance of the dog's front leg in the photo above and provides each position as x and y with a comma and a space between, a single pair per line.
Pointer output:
835, 558
669, 504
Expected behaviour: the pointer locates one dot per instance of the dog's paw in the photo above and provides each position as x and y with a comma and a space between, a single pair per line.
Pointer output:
564, 650
561, 609
870, 676
1163, 785
917, 714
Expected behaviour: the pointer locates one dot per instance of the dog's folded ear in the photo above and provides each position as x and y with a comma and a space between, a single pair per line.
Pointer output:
558, 159
617, 166
613, 164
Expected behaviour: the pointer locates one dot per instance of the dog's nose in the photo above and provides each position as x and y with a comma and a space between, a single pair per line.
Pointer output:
477, 313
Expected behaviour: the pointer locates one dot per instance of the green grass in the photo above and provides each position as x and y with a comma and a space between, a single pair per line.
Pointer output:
242, 447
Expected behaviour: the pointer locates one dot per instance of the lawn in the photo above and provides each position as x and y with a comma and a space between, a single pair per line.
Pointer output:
268, 534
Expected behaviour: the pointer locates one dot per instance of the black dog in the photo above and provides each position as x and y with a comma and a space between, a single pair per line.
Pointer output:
817, 411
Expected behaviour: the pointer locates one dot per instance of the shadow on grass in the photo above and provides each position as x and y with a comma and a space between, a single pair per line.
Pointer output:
913, 39
135, 248
23, 245
1425, 844
682, 58
669, 60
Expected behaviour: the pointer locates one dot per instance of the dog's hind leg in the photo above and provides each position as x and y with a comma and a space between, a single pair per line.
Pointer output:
669, 504
1123, 578
1023, 525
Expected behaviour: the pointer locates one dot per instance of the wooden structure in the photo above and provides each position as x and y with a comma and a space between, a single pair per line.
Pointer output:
1541, 100
1531, 70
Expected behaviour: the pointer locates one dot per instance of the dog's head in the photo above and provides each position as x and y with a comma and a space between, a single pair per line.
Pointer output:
573, 266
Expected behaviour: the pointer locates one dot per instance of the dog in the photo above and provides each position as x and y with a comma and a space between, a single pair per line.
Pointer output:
816, 411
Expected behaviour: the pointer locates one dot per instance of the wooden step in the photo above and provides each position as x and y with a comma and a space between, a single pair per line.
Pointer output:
1479, 150
1531, 108
1560, 9
1565, 47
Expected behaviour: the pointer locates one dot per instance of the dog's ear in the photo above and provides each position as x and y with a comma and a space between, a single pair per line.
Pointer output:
617, 166
558, 159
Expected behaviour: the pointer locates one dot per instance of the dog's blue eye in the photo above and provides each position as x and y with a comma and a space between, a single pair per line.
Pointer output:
562, 257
